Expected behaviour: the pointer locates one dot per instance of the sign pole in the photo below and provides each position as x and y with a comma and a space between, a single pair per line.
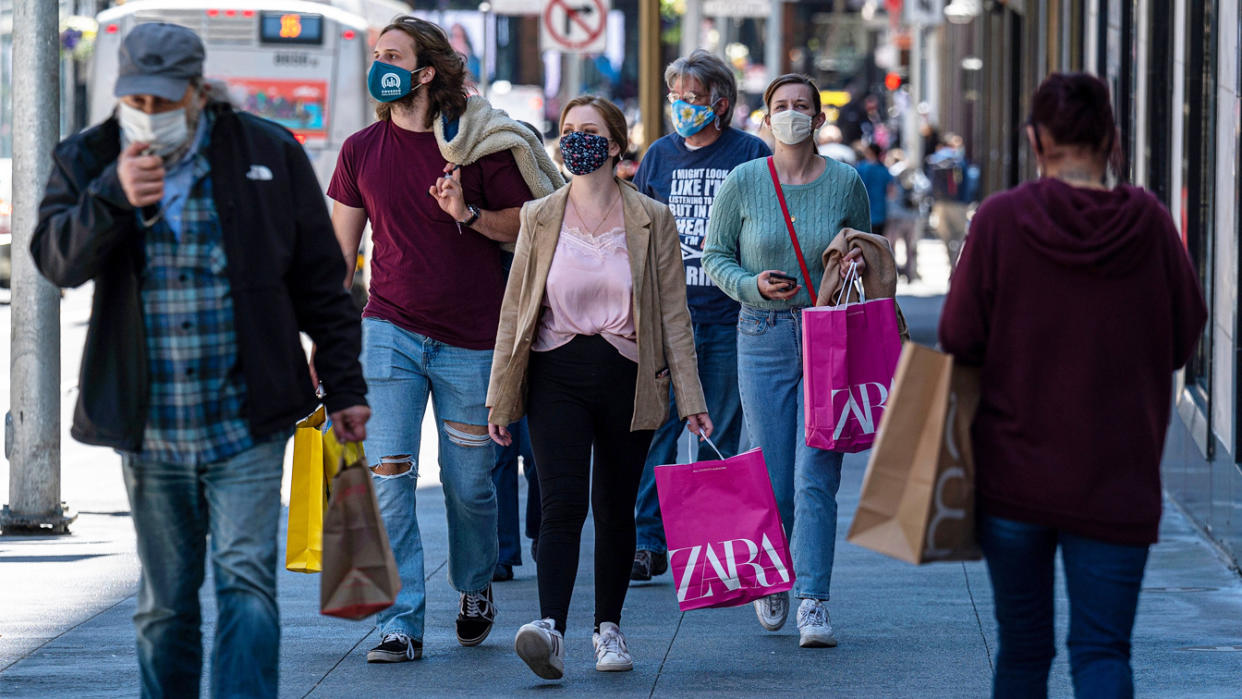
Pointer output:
650, 71
32, 429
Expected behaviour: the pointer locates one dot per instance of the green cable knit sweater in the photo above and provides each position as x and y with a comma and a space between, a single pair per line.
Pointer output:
747, 234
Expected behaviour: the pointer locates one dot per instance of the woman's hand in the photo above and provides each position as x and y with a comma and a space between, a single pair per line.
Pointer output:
852, 257
498, 433
776, 290
700, 424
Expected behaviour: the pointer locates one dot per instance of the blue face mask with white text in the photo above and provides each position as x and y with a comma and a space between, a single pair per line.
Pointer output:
389, 83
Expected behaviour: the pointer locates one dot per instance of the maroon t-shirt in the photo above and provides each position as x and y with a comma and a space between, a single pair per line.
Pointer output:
427, 276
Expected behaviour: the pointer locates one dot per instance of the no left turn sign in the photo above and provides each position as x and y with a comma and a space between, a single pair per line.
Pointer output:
574, 26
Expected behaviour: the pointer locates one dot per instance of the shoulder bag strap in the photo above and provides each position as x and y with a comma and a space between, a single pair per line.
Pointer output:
780, 196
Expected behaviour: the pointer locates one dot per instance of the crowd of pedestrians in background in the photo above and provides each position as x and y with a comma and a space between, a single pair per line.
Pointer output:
582, 327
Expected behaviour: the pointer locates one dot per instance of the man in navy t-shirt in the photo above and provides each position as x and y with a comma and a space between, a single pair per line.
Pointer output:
684, 170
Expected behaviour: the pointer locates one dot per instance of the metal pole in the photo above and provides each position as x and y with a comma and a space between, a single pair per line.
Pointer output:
774, 44
486, 9
650, 71
34, 454
910, 135
691, 26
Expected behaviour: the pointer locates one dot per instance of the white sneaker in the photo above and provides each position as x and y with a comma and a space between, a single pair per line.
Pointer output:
814, 626
542, 647
611, 653
772, 610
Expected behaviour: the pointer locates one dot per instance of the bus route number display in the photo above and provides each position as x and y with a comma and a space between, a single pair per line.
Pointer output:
290, 28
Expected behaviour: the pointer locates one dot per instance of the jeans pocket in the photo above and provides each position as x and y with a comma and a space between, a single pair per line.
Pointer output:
752, 325
379, 350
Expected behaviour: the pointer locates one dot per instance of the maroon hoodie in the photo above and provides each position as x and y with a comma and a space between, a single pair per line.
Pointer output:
1078, 304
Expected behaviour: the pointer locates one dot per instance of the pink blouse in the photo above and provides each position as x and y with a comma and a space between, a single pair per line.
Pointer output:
590, 290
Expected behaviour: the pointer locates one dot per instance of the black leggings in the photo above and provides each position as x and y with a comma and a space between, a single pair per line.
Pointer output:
582, 394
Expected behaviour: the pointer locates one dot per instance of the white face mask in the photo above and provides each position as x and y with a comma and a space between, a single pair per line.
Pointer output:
790, 127
165, 132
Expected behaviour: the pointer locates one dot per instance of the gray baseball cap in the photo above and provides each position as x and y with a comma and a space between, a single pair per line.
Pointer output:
158, 59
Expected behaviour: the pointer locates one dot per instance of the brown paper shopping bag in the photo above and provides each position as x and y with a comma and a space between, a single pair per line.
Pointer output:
359, 570
917, 501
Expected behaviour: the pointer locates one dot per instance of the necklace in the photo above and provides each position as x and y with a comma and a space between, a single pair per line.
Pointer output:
603, 219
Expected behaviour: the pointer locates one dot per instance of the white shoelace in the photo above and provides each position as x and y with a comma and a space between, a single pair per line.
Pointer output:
611, 642
409, 647
813, 615
476, 605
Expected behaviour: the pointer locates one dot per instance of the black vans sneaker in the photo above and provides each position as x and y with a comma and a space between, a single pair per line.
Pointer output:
396, 648
641, 570
474, 621
648, 564
659, 564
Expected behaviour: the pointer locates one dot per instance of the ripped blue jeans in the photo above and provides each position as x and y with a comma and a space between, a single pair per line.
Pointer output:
403, 369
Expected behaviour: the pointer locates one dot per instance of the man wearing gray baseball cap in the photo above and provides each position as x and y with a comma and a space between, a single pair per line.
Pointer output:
205, 233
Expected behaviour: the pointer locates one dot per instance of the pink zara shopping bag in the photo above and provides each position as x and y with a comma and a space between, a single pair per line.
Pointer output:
849, 355
726, 545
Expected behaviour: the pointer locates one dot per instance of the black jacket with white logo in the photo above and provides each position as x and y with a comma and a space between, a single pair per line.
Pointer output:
284, 266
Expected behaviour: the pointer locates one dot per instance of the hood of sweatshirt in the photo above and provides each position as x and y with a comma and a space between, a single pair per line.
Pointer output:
1109, 231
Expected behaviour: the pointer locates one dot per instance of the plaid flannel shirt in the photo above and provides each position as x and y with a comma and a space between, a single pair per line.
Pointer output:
197, 391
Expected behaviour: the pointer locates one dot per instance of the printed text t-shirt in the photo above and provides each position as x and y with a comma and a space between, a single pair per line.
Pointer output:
687, 181
426, 275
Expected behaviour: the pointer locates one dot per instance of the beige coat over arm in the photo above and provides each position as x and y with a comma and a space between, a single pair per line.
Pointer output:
661, 318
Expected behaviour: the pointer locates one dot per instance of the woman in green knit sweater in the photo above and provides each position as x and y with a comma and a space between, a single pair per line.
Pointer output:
749, 255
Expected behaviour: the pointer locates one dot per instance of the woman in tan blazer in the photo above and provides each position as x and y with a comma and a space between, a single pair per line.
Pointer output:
593, 328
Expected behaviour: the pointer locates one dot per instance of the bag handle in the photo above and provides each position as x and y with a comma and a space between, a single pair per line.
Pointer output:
712, 444
780, 196
852, 277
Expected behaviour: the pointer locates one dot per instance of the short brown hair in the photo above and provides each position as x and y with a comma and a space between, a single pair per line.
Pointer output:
447, 90
613, 119
792, 79
1077, 110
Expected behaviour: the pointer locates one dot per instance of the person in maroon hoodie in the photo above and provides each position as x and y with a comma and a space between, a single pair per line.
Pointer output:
1078, 301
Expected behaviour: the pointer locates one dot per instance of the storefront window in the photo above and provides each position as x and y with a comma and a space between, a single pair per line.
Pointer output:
1199, 173
1159, 152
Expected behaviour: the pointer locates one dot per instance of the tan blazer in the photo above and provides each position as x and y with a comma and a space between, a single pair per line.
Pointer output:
661, 319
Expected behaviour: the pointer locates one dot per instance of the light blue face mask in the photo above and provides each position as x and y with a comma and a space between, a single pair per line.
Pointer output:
389, 83
689, 119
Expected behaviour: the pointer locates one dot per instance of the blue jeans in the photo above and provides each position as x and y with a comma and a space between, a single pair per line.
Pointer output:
1103, 582
504, 477
402, 370
716, 345
804, 479
176, 508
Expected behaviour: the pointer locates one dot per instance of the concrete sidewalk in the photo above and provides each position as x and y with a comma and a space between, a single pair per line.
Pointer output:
904, 631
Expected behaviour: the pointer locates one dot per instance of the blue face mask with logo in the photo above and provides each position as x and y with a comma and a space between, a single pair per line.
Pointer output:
389, 83
689, 119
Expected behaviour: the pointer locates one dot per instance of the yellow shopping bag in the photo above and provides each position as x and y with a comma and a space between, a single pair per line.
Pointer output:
316, 458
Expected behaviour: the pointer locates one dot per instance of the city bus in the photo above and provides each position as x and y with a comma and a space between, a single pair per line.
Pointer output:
300, 63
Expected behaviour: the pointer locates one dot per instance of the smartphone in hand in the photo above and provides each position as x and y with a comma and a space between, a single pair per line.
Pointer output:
782, 280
